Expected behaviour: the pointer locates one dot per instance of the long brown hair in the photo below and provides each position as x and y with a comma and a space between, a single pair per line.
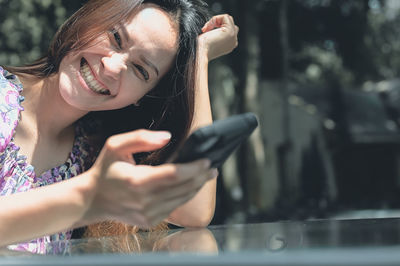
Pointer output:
169, 106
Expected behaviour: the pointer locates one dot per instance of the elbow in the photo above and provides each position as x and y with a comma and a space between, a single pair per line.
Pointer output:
199, 221
196, 223
194, 220
198, 212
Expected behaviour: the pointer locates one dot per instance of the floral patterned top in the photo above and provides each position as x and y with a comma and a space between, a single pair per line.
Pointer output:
16, 175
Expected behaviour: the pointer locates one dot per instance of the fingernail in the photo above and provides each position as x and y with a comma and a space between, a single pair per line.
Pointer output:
214, 173
163, 135
206, 163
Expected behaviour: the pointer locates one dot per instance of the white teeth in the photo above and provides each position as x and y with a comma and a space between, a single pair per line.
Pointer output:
91, 81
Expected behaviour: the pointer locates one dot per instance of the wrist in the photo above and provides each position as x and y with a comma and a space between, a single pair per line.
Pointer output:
202, 53
85, 192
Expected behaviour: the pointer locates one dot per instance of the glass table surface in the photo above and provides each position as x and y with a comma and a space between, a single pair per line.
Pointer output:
320, 242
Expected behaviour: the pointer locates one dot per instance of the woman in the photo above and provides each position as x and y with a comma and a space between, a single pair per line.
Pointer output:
113, 67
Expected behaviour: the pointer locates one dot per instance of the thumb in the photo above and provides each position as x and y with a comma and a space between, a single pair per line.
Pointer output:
141, 140
215, 22
211, 24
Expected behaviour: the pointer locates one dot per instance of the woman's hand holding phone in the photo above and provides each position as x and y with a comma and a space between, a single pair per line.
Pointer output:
145, 195
141, 195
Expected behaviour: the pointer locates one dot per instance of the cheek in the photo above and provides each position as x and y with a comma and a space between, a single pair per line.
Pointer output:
68, 73
66, 87
69, 68
65, 79
131, 95
132, 89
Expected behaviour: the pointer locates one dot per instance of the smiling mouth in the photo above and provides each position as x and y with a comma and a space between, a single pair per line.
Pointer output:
90, 80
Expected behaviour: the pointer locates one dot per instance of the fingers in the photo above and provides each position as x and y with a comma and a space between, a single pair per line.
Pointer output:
236, 30
147, 218
192, 185
150, 208
137, 141
164, 202
210, 25
154, 177
218, 22
143, 180
157, 215
219, 36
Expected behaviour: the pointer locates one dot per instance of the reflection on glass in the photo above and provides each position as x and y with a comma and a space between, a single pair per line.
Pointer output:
175, 241
5, 252
190, 241
276, 242
265, 238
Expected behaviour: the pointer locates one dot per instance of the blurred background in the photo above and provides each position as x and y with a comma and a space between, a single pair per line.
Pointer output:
323, 78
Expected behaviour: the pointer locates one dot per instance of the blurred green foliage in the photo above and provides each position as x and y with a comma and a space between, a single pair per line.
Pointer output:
350, 41
26, 27
346, 42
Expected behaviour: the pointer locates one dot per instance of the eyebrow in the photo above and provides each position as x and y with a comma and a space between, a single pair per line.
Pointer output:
142, 57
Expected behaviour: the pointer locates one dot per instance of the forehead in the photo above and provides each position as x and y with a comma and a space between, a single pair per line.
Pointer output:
154, 30
153, 14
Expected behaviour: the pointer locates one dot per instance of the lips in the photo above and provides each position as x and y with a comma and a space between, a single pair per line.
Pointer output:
90, 80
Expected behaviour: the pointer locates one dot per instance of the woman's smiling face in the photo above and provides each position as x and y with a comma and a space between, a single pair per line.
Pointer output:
120, 67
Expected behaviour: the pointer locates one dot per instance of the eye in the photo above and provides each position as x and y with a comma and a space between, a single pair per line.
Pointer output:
117, 38
143, 72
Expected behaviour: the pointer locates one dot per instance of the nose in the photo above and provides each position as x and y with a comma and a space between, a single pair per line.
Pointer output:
114, 64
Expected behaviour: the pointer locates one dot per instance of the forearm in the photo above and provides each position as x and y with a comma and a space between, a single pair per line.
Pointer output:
43, 211
202, 108
199, 211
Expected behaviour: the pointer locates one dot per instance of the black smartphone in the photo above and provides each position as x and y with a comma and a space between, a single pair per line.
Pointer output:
218, 140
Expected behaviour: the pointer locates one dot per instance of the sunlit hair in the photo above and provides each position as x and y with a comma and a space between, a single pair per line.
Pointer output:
169, 106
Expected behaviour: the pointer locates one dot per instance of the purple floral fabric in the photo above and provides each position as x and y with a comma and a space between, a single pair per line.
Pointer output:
16, 175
